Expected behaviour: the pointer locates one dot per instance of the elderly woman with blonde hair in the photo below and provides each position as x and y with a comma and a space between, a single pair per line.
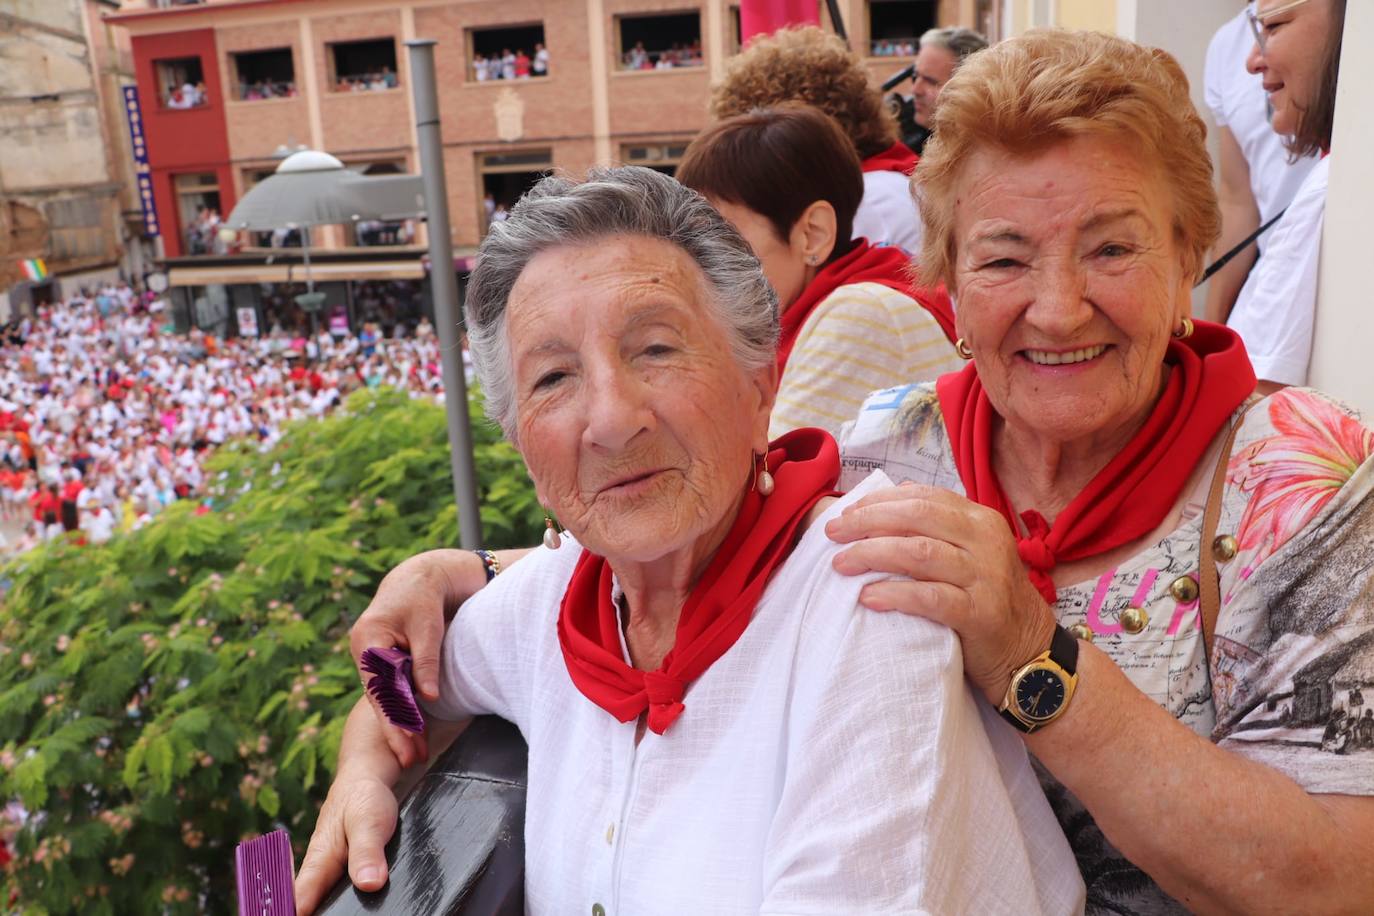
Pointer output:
1144, 562
714, 724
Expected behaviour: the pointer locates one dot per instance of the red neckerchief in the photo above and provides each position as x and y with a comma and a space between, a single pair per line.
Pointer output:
805, 464
1211, 376
864, 263
896, 158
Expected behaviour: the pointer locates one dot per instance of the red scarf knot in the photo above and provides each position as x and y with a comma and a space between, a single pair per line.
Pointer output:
1036, 554
805, 465
665, 699
1210, 376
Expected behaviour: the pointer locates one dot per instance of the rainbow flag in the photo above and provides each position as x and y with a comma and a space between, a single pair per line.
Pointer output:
35, 270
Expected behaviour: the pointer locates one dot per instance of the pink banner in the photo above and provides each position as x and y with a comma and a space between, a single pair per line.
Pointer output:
763, 17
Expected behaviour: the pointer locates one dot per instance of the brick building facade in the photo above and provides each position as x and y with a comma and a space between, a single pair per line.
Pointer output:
498, 133
67, 192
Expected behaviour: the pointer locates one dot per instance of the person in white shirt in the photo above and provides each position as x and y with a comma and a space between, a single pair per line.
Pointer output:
709, 730
99, 524
813, 66
1258, 178
1297, 57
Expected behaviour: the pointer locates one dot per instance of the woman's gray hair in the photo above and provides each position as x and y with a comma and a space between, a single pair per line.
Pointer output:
628, 200
958, 41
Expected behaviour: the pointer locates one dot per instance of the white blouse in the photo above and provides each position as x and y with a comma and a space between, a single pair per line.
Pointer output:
832, 761
1277, 306
888, 214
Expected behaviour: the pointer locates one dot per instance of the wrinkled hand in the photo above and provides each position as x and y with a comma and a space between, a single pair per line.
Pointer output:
355, 824
962, 571
410, 610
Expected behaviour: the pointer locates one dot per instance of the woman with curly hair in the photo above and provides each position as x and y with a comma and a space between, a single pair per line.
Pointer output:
812, 66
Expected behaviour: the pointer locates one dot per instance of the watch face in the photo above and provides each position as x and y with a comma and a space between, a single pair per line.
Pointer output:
1039, 694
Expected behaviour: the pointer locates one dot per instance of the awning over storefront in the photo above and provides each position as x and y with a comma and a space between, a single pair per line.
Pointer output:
295, 273
204, 276
361, 270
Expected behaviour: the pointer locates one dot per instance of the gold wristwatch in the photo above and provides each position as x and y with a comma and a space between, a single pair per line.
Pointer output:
1040, 690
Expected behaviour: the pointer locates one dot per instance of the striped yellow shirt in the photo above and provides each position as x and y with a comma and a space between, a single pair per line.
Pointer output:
861, 338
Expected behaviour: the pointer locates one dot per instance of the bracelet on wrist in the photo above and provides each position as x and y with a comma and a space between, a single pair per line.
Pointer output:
490, 564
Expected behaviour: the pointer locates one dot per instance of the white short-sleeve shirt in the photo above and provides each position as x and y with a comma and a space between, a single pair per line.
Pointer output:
832, 761
1276, 307
888, 214
1238, 102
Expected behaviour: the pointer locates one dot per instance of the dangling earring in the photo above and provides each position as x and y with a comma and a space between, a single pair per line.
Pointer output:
551, 538
962, 348
763, 481
1184, 330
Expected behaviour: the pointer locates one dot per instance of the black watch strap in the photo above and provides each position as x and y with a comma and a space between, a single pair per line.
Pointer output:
1064, 649
1064, 653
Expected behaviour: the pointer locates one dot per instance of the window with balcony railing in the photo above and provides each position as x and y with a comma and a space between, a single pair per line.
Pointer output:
267, 74
198, 210
363, 66
181, 83
659, 41
506, 176
507, 53
895, 26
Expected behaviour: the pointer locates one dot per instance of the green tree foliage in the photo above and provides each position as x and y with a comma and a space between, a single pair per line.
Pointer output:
168, 694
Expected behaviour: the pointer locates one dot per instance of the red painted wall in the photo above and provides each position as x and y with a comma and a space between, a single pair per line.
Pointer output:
182, 140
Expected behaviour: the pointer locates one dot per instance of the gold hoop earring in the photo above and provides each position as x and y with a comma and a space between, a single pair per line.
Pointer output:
1184, 330
962, 348
763, 481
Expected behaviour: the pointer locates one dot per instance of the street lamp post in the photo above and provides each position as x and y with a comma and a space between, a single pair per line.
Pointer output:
444, 285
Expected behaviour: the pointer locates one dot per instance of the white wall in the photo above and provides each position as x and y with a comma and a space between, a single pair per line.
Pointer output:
1343, 343
1183, 28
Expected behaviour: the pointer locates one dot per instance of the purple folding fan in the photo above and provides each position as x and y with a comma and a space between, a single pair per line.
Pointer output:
390, 686
263, 868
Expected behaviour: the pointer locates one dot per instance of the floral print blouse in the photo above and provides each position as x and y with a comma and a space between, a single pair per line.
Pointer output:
1291, 680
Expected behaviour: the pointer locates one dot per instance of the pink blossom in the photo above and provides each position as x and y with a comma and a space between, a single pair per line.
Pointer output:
1291, 476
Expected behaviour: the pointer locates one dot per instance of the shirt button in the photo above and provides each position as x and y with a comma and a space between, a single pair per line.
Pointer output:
598, 910
1224, 547
610, 834
1184, 589
1134, 619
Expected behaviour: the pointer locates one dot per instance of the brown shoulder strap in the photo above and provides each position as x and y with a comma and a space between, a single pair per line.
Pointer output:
1209, 583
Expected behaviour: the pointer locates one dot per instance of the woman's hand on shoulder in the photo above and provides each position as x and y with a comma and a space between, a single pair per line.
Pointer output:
962, 570
355, 823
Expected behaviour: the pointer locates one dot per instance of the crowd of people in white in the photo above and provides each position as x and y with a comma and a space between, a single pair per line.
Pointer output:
679, 55
106, 416
511, 65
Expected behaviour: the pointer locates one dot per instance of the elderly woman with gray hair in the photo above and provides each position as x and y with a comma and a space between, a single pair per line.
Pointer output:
714, 723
